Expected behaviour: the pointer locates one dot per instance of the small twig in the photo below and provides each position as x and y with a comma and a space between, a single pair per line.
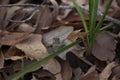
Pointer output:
36, 9
84, 9
21, 5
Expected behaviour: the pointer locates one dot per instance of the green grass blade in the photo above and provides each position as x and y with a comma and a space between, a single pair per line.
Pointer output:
106, 27
103, 17
36, 64
93, 8
81, 15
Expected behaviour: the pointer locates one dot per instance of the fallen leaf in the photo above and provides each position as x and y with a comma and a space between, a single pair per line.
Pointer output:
77, 34
58, 76
44, 20
115, 75
91, 76
78, 74
11, 39
66, 71
3, 12
24, 27
104, 47
61, 33
14, 58
118, 2
16, 14
53, 66
43, 75
33, 47
107, 71
1, 60
12, 53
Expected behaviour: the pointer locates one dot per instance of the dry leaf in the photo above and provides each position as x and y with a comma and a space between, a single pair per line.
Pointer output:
78, 74
118, 2
24, 27
107, 71
10, 39
43, 75
116, 73
104, 47
44, 19
12, 53
77, 34
58, 76
66, 71
1, 60
3, 12
16, 14
53, 66
33, 47
91, 76
61, 33
14, 58
57, 39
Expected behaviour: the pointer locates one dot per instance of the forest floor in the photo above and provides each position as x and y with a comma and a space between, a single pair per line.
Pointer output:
32, 29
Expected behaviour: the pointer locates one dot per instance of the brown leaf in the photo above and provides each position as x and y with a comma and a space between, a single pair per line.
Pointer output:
53, 66
16, 14
44, 75
118, 2
116, 73
78, 74
66, 71
24, 27
58, 76
77, 34
1, 60
12, 38
104, 47
107, 71
3, 12
33, 47
91, 76
44, 19
11, 53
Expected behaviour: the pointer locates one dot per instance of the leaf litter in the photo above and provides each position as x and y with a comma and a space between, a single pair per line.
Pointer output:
28, 34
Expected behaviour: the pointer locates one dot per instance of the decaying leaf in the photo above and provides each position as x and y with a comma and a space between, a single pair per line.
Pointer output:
58, 76
24, 27
57, 39
13, 54
78, 74
107, 71
61, 33
1, 60
91, 76
77, 34
43, 75
44, 20
115, 75
118, 2
3, 12
10, 39
33, 47
66, 71
53, 66
104, 47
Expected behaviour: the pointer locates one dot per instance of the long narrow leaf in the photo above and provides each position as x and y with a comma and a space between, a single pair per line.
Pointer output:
35, 65
81, 15
93, 8
103, 17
